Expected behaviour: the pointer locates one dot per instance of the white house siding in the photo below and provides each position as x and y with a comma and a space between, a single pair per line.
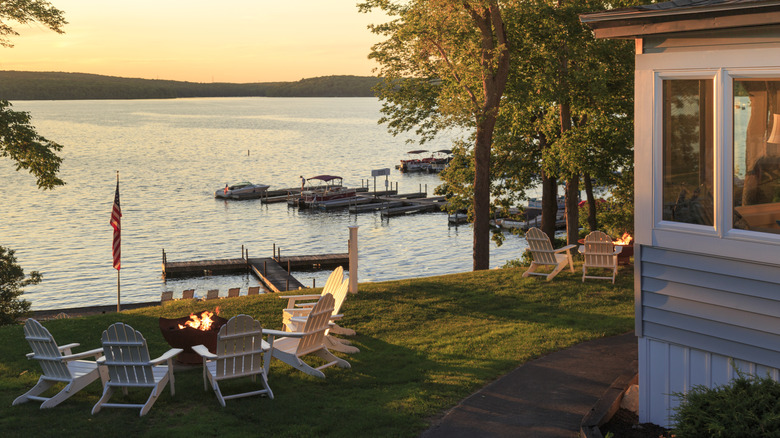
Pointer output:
728, 309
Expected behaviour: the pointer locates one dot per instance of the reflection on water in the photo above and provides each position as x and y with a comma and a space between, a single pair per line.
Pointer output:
171, 156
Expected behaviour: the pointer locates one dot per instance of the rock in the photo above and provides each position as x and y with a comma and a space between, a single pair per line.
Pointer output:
630, 400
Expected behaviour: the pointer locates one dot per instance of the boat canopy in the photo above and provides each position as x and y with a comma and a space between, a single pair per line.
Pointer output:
444, 151
419, 151
325, 178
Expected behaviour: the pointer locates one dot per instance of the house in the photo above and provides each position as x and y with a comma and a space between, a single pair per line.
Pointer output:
707, 179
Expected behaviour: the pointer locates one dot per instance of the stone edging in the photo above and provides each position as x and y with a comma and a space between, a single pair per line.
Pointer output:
605, 407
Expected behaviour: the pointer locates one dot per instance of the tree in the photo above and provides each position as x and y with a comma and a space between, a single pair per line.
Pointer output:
12, 282
21, 143
446, 63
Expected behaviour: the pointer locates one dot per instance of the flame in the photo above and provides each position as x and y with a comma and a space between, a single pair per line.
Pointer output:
202, 322
624, 240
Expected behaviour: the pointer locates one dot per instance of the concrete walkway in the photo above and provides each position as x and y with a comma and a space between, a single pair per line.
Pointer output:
547, 397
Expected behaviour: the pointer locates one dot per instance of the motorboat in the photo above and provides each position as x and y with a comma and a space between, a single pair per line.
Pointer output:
242, 190
322, 188
415, 163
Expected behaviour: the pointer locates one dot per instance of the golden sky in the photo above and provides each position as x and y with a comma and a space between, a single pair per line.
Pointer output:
201, 41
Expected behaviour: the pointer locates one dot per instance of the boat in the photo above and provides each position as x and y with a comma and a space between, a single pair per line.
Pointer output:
242, 190
438, 161
322, 188
415, 162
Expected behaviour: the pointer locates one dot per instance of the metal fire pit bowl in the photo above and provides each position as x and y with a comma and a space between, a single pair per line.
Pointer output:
188, 337
624, 258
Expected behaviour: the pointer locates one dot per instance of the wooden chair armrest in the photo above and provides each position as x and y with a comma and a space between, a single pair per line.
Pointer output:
204, 352
97, 353
311, 304
336, 317
281, 334
291, 299
66, 349
565, 248
170, 354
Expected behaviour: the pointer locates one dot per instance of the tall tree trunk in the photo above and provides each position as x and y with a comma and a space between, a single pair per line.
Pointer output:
549, 204
494, 76
593, 224
481, 203
572, 210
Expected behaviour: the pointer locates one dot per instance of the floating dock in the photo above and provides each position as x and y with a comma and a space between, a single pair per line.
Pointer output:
273, 272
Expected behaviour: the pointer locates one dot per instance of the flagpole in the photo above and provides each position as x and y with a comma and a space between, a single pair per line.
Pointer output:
116, 214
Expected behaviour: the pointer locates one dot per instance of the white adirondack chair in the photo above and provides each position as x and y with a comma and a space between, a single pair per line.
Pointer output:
294, 320
240, 351
599, 252
289, 347
334, 281
544, 255
59, 364
126, 357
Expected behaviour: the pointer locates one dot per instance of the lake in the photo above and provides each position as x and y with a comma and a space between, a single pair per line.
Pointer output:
172, 155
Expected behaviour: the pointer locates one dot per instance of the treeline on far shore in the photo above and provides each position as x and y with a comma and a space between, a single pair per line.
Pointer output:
20, 85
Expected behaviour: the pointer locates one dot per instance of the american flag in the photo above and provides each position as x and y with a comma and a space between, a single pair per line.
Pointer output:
116, 214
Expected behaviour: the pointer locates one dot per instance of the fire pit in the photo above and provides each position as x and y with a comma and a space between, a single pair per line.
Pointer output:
626, 241
188, 331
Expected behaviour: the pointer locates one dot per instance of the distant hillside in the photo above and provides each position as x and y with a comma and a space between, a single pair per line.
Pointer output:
20, 85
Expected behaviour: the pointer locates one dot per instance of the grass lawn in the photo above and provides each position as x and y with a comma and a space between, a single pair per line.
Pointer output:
425, 344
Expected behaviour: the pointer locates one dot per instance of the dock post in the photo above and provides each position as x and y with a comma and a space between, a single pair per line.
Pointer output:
274, 251
353, 259
265, 268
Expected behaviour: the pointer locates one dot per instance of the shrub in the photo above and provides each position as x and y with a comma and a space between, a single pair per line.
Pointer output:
12, 282
747, 407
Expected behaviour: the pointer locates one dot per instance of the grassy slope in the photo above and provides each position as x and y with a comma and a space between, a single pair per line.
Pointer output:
425, 344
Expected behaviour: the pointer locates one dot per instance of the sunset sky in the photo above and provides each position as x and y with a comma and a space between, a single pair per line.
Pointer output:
200, 41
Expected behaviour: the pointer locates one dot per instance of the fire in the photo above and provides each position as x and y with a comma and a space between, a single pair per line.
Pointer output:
624, 240
201, 322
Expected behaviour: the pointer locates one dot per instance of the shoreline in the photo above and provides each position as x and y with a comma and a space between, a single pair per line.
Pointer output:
71, 312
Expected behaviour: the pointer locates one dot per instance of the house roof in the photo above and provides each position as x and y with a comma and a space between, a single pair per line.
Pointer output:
682, 16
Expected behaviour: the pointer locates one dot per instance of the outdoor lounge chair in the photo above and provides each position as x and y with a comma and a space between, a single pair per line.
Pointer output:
294, 320
544, 255
599, 252
334, 281
126, 358
212, 294
290, 347
188, 294
254, 290
240, 352
59, 365
233, 292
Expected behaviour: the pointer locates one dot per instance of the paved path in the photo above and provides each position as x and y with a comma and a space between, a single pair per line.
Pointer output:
547, 397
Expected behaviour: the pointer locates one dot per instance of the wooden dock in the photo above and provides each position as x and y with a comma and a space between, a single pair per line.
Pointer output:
273, 272
273, 275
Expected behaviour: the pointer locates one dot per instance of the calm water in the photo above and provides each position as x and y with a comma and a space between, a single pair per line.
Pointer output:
172, 155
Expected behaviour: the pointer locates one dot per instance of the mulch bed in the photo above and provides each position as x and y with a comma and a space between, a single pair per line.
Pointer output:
625, 424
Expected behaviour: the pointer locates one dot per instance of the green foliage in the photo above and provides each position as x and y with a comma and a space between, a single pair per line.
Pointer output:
425, 344
15, 85
745, 407
12, 282
21, 143
28, 12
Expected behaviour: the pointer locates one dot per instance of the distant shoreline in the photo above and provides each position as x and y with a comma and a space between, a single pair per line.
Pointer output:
88, 310
25, 85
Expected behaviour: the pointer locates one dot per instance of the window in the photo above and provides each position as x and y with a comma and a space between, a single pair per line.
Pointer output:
756, 173
688, 151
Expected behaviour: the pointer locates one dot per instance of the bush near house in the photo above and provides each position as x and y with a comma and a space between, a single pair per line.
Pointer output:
747, 407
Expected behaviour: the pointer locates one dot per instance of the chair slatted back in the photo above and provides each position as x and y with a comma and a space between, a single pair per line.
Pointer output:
233, 292
188, 294
540, 246
598, 250
127, 356
334, 280
339, 295
239, 347
316, 325
45, 351
254, 290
